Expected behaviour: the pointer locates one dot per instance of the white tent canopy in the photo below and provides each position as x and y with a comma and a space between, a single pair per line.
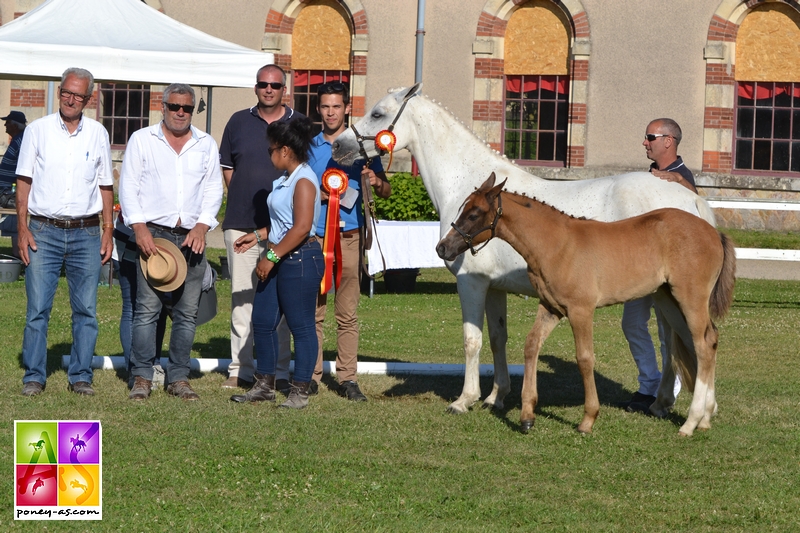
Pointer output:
121, 41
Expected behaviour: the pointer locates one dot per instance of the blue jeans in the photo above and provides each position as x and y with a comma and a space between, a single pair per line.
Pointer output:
149, 306
635, 316
78, 250
126, 273
290, 290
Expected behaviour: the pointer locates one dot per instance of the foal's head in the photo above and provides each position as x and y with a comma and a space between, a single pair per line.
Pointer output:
476, 221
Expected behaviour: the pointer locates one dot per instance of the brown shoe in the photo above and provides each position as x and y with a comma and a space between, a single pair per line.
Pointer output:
83, 388
234, 382
32, 388
141, 388
182, 390
262, 391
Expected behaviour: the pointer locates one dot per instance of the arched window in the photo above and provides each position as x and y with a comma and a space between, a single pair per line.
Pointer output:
536, 84
767, 105
321, 40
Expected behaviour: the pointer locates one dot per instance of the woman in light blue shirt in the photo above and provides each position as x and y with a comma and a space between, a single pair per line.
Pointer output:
290, 274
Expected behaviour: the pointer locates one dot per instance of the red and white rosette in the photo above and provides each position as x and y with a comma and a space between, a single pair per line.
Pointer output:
385, 140
334, 182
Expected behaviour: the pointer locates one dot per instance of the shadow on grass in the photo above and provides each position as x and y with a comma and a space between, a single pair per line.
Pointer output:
559, 386
421, 287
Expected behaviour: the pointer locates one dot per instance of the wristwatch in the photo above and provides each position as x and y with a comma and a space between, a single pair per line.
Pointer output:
272, 256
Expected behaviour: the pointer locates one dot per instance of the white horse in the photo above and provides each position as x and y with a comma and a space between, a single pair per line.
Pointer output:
452, 163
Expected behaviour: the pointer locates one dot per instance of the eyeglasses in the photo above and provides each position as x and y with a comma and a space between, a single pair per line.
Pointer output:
653, 136
65, 94
271, 149
276, 86
175, 107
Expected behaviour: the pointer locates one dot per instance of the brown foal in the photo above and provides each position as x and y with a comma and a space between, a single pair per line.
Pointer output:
579, 265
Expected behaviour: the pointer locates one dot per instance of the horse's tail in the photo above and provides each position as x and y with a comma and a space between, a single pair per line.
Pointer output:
721, 297
684, 361
704, 211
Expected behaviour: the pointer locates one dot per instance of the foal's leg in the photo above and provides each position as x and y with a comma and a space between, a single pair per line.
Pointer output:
497, 323
542, 327
472, 291
581, 321
704, 403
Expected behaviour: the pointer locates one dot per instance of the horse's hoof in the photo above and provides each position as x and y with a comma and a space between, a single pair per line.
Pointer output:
526, 425
498, 406
454, 410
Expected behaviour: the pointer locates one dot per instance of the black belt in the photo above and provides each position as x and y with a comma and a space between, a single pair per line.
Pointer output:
175, 231
69, 223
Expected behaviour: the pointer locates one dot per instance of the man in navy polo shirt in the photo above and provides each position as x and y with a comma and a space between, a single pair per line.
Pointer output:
661, 141
333, 106
249, 173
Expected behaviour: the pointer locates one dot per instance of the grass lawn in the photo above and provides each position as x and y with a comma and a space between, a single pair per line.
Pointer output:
400, 463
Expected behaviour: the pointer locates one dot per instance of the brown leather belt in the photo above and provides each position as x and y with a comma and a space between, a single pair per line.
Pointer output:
69, 223
349, 234
175, 231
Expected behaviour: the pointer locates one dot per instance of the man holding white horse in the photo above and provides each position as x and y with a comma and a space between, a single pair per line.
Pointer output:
333, 106
661, 142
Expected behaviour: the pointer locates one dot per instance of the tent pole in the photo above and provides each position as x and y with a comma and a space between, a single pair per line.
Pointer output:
208, 112
50, 90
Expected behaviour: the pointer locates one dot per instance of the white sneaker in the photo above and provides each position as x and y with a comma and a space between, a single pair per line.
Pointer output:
158, 377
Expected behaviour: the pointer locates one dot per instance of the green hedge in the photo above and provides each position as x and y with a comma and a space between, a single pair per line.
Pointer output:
409, 200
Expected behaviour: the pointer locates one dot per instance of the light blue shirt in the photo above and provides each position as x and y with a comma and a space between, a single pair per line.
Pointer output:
281, 203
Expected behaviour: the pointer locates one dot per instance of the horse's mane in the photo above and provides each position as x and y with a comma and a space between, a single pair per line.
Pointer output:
516, 197
444, 108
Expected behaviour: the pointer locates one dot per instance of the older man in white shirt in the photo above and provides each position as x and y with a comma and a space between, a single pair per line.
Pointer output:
63, 182
170, 188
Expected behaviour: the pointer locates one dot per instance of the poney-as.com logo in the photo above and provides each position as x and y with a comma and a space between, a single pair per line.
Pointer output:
58, 470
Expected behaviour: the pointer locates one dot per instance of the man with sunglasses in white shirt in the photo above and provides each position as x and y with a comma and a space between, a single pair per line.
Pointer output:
661, 141
64, 182
170, 188
249, 173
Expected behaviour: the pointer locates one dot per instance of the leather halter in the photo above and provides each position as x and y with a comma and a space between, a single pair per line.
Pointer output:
361, 138
468, 237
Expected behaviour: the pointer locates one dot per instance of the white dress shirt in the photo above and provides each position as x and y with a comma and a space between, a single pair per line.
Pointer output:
66, 169
161, 186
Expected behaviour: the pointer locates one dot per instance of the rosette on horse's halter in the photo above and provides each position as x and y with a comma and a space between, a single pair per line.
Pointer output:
385, 140
334, 181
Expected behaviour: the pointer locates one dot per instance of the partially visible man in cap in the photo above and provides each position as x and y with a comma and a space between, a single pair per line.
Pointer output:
64, 181
15, 127
170, 191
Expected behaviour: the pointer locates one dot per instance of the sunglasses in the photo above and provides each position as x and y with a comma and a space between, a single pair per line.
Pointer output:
653, 136
65, 94
175, 107
276, 86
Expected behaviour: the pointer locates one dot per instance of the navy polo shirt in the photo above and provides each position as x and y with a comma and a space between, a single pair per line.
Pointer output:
678, 167
244, 149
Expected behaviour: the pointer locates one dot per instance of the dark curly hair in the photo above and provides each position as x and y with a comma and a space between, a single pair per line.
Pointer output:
294, 134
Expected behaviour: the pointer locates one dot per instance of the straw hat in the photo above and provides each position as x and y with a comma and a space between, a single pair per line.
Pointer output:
165, 270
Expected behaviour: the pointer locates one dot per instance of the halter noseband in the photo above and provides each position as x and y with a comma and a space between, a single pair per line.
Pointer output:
361, 138
468, 237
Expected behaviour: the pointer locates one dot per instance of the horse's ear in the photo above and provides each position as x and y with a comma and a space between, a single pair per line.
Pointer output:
489, 183
497, 189
413, 90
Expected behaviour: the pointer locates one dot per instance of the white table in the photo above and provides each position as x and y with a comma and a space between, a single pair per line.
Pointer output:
404, 245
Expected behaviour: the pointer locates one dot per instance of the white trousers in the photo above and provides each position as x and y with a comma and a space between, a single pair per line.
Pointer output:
242, 268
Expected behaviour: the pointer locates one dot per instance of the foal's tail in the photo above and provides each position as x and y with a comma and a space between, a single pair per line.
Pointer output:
721, 297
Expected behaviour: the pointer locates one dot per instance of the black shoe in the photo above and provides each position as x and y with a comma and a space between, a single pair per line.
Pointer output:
283, 386
350, 390
84, 388
313, 388
640, 403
